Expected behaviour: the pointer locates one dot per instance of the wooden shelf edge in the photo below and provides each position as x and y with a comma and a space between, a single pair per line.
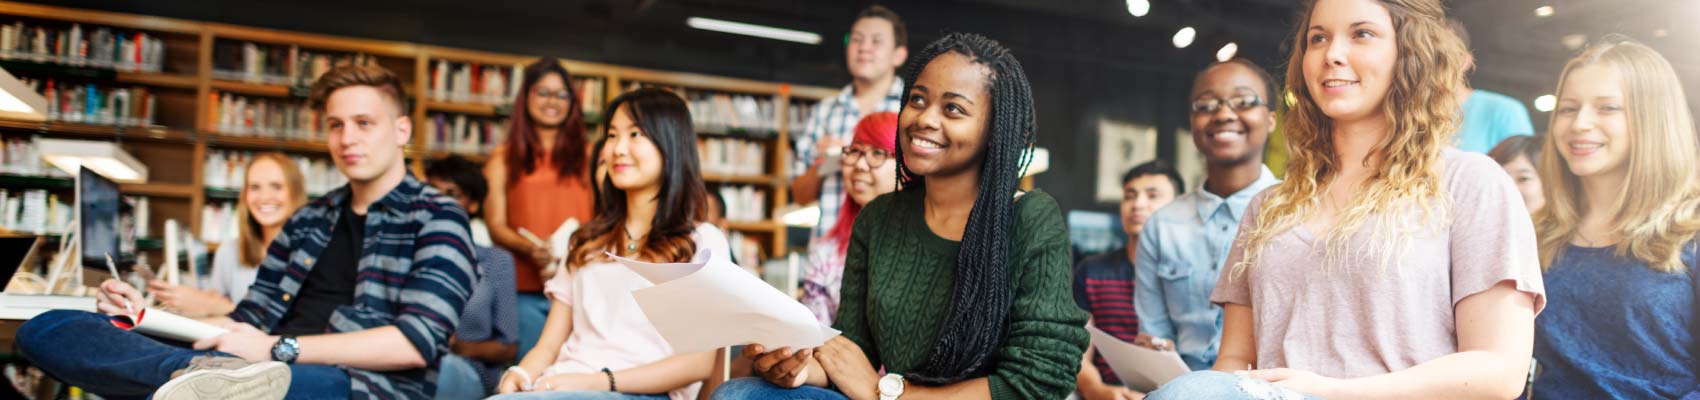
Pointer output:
759, 226
178, 190
765, 180
474, 109
476, 56
121, 20
160, 79
253, 89
222, 140
160, 134
379, 48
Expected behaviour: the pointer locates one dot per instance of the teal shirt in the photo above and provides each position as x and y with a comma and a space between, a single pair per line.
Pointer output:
1490, 118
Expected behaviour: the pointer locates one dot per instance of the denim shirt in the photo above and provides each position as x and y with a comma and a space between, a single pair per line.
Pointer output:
1181, 250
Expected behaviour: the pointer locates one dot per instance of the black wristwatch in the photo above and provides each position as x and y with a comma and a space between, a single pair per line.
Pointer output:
286, 350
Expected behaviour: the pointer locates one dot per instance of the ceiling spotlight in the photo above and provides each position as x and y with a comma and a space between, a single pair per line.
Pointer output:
1184, 37
1227, 52
1543, 11
1138, 7
1545, 103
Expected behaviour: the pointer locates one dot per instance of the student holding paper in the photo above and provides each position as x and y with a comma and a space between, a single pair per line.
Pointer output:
597, 340
1622, 322
333, 312
960, 289
539, 179
866, 174
1104, 283
271, 191
1387, 264
1183, 246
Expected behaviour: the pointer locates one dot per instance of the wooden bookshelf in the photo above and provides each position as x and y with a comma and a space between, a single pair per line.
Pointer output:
184, 135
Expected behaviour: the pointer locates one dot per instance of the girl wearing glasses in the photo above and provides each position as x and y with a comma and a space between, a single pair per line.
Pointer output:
867, 173
538, 179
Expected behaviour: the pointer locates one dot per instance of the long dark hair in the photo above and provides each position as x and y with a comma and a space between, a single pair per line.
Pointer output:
980, 299
666, 121
524, 146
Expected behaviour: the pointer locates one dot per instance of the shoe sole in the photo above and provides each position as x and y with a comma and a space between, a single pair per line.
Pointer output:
263, 381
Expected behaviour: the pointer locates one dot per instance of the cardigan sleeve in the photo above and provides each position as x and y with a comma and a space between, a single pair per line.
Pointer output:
1047, 336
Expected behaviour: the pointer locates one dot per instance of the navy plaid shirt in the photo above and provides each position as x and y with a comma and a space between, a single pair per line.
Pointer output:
415, 273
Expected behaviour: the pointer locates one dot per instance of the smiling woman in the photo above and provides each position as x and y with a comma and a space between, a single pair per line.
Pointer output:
1371, 186
271, 191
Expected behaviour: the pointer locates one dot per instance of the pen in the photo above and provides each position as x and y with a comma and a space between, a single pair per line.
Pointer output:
113, 268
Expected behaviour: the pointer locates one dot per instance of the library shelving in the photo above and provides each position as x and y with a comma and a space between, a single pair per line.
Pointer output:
195, 91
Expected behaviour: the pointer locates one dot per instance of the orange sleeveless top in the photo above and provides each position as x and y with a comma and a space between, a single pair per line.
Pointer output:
540, 201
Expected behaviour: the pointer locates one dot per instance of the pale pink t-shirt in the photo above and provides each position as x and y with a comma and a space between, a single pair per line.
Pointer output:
609, 330
1357, 319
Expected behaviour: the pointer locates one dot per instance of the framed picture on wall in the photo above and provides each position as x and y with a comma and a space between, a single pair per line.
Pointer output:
1121, 146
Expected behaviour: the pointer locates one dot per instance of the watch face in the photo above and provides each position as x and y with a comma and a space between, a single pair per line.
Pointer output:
891, 385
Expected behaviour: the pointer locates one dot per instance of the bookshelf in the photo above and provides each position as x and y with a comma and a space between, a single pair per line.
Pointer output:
198, 64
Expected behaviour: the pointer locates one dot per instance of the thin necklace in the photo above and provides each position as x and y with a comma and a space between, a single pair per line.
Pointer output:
631, 242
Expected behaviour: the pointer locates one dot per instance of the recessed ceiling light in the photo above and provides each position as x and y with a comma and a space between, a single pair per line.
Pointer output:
761, 31
1543, 11
1183, 38
1574, 41
1227, 52
1138, 7
1545, 103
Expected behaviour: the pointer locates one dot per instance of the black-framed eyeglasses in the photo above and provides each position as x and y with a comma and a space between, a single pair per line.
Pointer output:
1210, 105
562, 94
876, 156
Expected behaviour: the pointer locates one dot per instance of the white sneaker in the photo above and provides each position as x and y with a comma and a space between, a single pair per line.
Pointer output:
227, 378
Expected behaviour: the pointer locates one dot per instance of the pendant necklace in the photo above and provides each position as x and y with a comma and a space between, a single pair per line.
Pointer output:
631, 242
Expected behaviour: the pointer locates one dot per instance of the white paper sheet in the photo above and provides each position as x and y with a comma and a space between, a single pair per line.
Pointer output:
1139, 368
703, 305
162, 324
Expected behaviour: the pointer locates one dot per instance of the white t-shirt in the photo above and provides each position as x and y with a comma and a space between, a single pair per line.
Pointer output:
609, 330
229, 277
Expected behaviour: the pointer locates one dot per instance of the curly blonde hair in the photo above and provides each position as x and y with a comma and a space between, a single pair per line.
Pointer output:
1664, 213
1422, 110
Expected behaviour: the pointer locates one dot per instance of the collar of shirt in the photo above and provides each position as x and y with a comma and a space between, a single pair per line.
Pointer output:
893, 95
1236, 203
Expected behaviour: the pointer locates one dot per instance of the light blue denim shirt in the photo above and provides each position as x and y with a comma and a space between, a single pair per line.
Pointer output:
1181, 250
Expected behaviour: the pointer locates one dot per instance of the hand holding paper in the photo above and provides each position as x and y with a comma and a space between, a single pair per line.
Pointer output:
1139, 368
703, 305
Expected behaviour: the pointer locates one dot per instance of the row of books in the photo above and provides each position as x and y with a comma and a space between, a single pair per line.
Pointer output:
474, 83
227, 169
726, 113
276, 64
35, 211
99, 47
460, 133
218, 222
235, 114
744, 203
745, 249
20, 156
95, 104
730, 156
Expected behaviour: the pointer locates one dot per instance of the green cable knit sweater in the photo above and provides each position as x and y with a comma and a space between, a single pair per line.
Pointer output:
896, 291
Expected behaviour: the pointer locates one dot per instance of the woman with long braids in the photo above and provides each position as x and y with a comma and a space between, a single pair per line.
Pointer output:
958, 287
1387, 264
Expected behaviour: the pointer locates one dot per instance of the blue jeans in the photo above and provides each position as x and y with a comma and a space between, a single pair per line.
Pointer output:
533, 313
1218, 385
83, 349
578, 396
458, 379
758, 389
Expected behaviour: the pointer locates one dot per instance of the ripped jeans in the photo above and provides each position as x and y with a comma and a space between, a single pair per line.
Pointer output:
1218, 385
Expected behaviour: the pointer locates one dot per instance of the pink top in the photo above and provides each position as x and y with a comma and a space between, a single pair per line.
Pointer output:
1357, 319
609, 330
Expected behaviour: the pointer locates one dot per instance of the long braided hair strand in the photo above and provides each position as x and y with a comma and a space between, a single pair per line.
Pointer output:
980, 297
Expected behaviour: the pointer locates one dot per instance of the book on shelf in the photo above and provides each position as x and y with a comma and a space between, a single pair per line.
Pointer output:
95, 46
459, 133
744, 203
278, 64
235, 114
95, 104
227, 169
473, 82
721, 113
218, 222
20, 156
34, 210
797, 115
727, 156
591, 93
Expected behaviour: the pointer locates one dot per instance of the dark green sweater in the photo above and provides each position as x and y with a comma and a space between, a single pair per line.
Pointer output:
896, 291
